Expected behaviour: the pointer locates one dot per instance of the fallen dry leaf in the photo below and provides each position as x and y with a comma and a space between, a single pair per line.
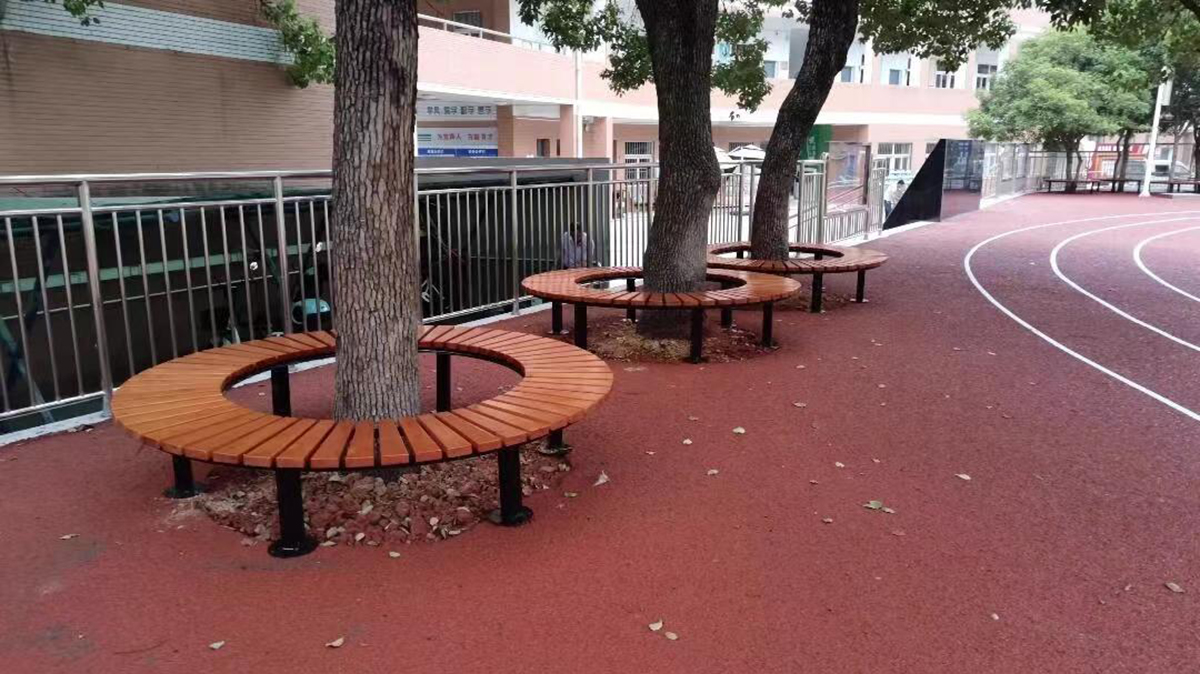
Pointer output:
649, 452
1174, 587
838, 464
656, 626
216, 645
336, 643
995, 616
800, 405
827, 520
963, 476
68, 537
603, 479
687, 441
693, 418
739, 431
570, 494
713, 471
394, 555
672, 636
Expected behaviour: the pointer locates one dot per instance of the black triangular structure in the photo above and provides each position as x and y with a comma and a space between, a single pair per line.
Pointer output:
922, 200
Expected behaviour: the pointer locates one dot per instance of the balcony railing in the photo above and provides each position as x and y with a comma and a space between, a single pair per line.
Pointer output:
103, 276
483, 33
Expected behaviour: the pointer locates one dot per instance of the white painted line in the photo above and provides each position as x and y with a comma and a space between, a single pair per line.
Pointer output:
1137, 258
1108, 305
1194, 416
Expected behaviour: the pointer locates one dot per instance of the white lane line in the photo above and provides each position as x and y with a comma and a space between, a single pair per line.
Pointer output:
1194, 416
1137, 258
1108, 305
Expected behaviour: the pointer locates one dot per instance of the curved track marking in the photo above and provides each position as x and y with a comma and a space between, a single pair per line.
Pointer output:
1194, 416
1106, 304
1137, 258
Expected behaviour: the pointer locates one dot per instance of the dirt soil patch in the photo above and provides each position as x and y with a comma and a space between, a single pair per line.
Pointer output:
617, 339
425, 504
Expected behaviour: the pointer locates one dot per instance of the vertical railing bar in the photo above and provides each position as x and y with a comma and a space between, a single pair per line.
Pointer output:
230, 314
246, 271
93, 264
285, 289
458, 248
212, 309
299, 270
429, 261
316, 261
12, 256
187, 279
124, 298
146, 303
37, 242
262, 262
67, 282
166, 262
329, 257
516, 272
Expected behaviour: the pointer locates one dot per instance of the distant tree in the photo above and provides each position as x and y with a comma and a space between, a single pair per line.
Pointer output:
1062, 87
1185, 109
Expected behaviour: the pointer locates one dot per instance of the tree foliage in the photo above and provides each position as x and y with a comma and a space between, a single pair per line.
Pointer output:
1062, 87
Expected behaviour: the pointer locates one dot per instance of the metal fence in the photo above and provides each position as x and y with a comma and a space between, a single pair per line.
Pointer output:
109, 275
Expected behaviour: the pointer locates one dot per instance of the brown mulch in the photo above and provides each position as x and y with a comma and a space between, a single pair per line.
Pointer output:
617, 339
430, 503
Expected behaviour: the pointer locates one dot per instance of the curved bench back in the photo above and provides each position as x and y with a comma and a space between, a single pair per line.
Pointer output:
834, 259
570, 285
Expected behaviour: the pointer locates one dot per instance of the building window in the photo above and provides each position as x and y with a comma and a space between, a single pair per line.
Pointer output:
943, 79
638, 152
897, 155
930, 147
984, 75
895, 76
848, 74
769, 69
543, 147
471, 18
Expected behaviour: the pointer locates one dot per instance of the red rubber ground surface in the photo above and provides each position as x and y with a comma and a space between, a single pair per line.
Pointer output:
1080, 487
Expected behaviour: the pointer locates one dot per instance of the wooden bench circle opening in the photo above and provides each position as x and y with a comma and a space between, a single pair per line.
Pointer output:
825, 260
180, 407
739, 288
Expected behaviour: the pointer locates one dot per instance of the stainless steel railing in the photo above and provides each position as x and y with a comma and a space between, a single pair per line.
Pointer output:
108, 275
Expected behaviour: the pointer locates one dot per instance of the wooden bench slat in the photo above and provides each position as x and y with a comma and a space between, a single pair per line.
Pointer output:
360, 453
452, 444
328, 454
392, 450
511, 435
207, 448
535, 429
482, 439
424, 448
296, 454
182, 437
262, 445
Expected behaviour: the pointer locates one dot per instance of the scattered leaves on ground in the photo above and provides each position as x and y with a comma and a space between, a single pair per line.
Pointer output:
739, 431
656, 626
838, 464
690, 418
603, 479
67, 537
800, 405
827, 520
216, 645
394, 555
1174, 587
687, 441
713, 471
336, 643
672, 636
963, 476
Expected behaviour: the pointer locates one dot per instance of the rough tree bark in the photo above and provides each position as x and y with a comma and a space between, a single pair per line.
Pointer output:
681, 36
832, 28
376, 268
1126, 138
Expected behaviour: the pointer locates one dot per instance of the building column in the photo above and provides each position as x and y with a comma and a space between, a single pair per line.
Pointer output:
566, 131
598, 139
506, 136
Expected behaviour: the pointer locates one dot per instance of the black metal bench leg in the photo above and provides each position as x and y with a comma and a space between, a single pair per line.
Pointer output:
630, 286
281, 391
697, 354
555, 445
293, 541
741, 254
726, 313
443, 382
556, 318
185, 486
768, 327
511, 513
860, 295
818, 289
581, 326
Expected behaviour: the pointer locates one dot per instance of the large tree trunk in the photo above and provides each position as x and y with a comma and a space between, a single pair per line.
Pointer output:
1123, 158
831, 32
680, 34
376, 268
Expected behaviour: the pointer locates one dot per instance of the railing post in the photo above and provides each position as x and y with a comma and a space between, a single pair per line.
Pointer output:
285, 294
590, 218
516, 222
822, 198
93, 270
741, 203
746, 236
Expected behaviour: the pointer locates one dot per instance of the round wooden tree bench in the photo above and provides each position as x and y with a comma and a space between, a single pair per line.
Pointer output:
824, 260
738, 289
180, 407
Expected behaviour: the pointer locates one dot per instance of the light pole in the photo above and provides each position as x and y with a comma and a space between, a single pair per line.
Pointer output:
1163, 97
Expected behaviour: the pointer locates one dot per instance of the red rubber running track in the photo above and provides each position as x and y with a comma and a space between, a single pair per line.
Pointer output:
1070, 413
